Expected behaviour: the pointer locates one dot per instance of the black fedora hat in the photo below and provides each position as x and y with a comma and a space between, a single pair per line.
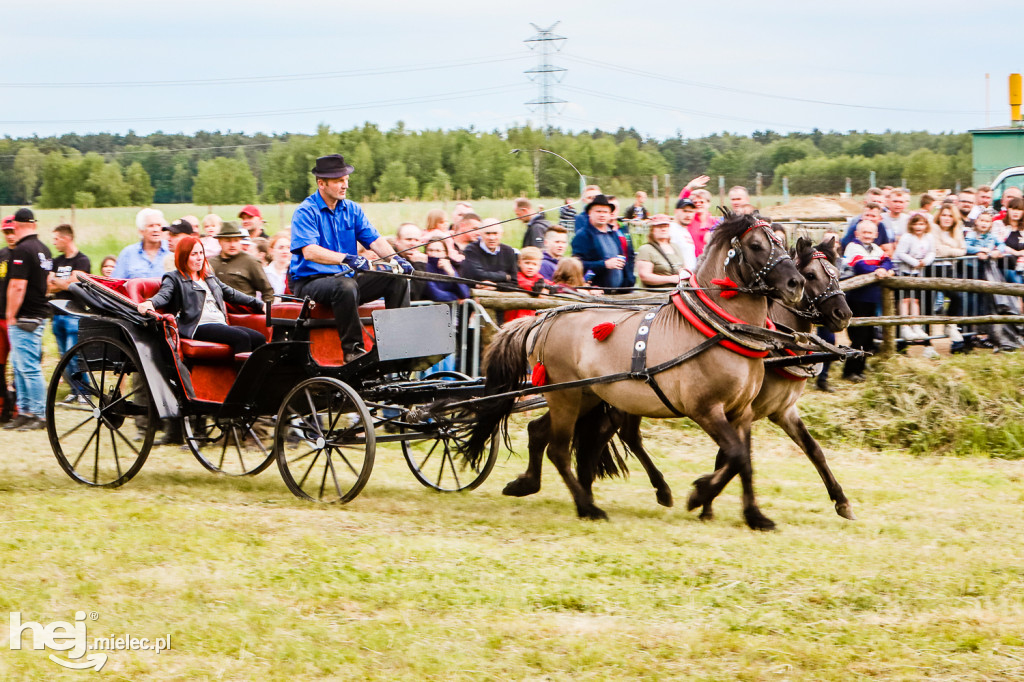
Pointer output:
331, 166
599, 200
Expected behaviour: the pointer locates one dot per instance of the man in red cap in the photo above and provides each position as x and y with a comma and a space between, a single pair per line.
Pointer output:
252, 222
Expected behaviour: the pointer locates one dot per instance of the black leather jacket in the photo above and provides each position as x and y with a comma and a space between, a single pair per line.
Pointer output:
184, 298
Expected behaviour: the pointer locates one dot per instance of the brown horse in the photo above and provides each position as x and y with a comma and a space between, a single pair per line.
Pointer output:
823, 303
714, 388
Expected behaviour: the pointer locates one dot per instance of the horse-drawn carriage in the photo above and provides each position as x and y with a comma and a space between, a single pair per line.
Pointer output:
293, 399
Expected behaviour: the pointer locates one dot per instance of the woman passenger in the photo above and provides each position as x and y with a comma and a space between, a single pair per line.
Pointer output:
196, 297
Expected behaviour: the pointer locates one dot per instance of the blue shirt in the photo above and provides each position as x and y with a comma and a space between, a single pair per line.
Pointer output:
134, 262
337, 230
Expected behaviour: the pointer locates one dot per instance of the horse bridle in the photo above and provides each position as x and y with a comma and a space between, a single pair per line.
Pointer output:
809, 306
777, 255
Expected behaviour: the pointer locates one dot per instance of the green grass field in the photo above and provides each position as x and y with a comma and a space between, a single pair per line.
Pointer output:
404, 583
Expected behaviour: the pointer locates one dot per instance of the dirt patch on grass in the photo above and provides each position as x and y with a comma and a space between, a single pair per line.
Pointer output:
818, 207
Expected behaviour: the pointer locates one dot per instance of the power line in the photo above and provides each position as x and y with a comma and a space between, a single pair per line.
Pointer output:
669, 107
722, 88
443, 97
381, 71
159, 151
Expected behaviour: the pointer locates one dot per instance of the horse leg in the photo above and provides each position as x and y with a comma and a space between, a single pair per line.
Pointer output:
592, 443
630, 435
564, 411
751, 512
794, 426
528, 482
734, 442
707, 513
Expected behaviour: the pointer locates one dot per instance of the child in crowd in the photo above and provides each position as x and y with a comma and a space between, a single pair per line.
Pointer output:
211, 226
981, 241
108, 265
529, 279
914, 251
862, 256
568, 278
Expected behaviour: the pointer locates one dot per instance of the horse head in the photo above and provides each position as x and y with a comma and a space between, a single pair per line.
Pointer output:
822, 299
755, 258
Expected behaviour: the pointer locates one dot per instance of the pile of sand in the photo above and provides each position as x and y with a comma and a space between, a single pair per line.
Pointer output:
818, 207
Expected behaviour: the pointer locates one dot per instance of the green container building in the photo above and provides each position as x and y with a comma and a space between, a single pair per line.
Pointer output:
996, 149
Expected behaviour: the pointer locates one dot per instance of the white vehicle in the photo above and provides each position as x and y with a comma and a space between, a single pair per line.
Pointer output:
1011, 177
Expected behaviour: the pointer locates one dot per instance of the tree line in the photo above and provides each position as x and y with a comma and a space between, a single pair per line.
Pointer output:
233, 168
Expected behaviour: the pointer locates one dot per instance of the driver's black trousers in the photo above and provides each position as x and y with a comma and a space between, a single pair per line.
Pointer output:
346, 294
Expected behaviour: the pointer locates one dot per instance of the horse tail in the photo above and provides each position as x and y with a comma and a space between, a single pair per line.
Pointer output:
593, 446
506, 366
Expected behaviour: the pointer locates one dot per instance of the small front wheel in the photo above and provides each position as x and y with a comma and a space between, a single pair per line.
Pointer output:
241, 446
324, 441
437, 460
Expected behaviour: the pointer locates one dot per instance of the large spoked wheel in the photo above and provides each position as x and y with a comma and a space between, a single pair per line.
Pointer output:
241, 446
99, 413
324, 441
437, 461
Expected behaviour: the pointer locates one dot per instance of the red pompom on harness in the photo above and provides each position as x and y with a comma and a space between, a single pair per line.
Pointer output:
729, 287
539, 377
603, 331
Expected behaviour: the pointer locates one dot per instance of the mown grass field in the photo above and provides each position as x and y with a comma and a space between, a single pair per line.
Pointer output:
404, 583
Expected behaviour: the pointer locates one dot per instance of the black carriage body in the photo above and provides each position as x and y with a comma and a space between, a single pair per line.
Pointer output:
283, 400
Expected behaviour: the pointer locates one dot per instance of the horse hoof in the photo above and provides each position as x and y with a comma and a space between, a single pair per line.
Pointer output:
592, 513
664, 498
756, 520
521, 487
698, 496
707, 515
845, 510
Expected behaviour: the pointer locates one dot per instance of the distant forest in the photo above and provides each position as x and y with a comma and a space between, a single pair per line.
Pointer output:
230, 168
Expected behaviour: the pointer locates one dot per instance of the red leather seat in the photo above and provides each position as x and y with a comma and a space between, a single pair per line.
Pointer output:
205, 350
142, 289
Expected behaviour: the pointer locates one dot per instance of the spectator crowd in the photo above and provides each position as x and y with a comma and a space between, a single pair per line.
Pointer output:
886, 237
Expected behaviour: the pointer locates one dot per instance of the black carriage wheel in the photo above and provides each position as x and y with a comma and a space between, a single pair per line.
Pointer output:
324, 441
437, 461
241, 446
104, 438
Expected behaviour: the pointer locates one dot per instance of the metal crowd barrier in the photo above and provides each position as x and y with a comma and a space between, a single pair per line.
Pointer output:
934, 302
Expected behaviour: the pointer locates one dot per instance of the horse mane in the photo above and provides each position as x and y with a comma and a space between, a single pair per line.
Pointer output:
735, 225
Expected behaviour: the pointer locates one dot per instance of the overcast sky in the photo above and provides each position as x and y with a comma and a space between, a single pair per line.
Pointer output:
272, 66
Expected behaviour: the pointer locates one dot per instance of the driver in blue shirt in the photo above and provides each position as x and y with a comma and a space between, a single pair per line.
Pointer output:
325, 230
